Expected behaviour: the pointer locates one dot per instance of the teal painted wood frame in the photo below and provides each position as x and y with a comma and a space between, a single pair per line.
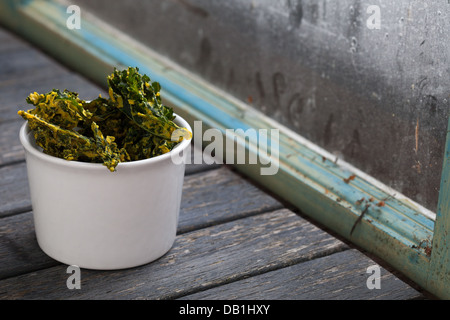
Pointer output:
331, 192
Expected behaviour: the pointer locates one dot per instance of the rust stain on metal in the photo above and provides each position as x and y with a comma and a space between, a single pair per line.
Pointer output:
352, 177
424, 244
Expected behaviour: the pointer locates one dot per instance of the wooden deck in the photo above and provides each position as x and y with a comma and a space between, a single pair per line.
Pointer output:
235, 241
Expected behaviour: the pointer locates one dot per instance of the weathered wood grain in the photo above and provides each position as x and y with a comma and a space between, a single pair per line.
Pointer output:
13, 94
199, 260
25, 63
339, 276
19, 250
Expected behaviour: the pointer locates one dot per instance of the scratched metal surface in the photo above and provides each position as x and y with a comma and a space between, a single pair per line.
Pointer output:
378, 98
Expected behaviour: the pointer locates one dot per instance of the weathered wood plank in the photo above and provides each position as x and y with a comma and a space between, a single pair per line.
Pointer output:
14, 190
220, 195
13, 95
193, 167
340, 276
10, 148
19, 64
19, 250
198, 210
198, 260
9, 41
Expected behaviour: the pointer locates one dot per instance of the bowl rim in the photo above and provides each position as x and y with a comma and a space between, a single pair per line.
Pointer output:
28, 146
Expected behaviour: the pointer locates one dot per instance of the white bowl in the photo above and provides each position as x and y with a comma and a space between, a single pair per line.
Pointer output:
87, 216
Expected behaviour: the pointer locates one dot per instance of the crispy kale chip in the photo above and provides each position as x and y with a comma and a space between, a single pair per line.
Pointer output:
140, 100
131, 125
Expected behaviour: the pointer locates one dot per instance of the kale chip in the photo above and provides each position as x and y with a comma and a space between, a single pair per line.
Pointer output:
131, 125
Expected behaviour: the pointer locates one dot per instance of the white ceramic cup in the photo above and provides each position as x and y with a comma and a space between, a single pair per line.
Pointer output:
87, 216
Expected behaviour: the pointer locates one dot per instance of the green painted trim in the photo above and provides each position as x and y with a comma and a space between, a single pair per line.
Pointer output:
308, 177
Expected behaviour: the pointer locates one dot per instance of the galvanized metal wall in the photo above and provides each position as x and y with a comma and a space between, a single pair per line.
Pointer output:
373, 91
